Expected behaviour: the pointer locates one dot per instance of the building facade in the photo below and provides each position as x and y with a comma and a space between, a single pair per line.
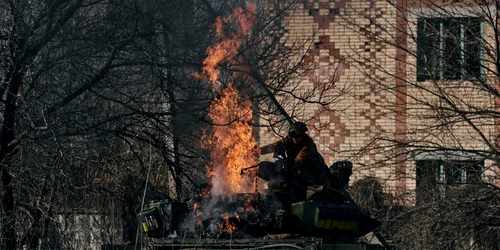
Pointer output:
415, 84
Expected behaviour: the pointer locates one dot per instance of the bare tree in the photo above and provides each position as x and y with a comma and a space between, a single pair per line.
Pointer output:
74, 96
99, 101
442, 95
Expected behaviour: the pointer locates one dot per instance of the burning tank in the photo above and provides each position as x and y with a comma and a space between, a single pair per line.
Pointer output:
273, 218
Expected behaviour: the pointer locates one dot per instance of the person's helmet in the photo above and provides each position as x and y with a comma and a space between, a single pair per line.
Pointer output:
297, 129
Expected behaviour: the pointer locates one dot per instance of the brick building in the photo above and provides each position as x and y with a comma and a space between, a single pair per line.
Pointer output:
396, 64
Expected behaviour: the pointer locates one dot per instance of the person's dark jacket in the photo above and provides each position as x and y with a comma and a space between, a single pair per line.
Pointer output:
305, 156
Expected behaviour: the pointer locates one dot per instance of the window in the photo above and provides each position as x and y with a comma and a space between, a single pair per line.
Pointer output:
449, 49
436, 177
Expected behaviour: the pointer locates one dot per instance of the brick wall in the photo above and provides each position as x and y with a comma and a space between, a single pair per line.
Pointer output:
347, 38
346, 47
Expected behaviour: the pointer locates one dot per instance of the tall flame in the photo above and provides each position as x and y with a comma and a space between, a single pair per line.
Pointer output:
232, 145
229, 45
231, 142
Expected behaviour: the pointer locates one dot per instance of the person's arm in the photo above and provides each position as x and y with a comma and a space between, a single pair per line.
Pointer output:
270, 148
306, 152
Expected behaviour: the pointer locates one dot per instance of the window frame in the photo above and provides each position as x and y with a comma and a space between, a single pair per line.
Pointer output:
425, 71
432, 181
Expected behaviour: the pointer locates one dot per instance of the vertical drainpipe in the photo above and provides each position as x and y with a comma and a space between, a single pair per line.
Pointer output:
401, 91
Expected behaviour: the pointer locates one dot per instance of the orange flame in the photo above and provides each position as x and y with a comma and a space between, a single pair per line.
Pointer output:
228, 226
224, 50
229, 46
231, 142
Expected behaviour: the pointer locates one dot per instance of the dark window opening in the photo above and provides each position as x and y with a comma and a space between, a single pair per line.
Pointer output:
434, 177
449, 49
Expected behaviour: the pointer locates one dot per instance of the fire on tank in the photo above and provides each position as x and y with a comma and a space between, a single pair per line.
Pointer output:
274, 213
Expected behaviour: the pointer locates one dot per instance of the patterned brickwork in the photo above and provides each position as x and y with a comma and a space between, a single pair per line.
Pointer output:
348, 40
347, 43
467, 94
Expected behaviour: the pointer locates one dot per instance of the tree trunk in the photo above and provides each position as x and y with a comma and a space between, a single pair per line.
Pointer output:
175, 137
6, 152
